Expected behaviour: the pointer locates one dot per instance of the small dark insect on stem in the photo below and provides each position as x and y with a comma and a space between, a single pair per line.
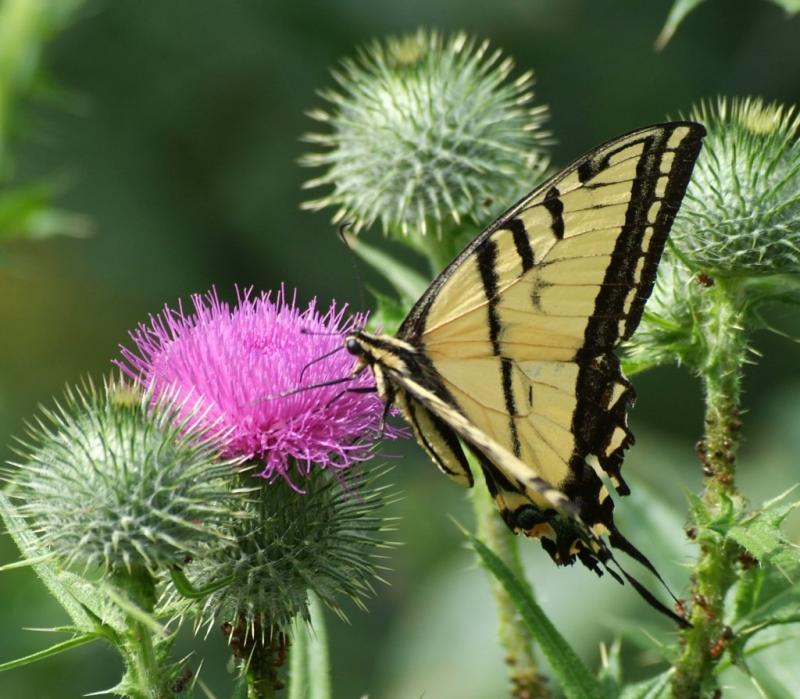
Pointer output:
721, 643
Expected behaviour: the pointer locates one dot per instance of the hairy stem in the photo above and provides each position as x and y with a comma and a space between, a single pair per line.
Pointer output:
715, 569
143, 672
526, 681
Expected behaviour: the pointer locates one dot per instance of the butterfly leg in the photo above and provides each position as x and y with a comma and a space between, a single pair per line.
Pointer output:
357, 389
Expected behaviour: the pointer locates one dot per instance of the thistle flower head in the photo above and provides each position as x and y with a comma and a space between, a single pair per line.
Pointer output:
741, 212
327, 541
116, 480
424, 131
243, 360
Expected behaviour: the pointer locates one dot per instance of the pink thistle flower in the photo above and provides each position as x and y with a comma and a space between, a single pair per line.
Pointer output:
242, 360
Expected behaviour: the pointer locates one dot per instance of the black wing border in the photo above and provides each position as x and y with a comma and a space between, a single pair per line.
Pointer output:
413, 326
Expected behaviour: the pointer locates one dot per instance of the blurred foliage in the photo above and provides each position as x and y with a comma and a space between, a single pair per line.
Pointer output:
26, 26
681, 8
184, 159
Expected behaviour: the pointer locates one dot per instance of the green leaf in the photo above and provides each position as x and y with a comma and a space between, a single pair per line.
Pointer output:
319, 666
309, 670
654, 688
240, 690
760, 534
791, 6
388, 315
768, 592
574, 678
677, 14
81, 640
25, 212
610, 674
185, 588
408, 283
298, 661
57, 583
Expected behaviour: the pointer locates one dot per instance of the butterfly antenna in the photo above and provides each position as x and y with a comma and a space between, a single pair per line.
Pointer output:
318, 359
343, 236
322, 384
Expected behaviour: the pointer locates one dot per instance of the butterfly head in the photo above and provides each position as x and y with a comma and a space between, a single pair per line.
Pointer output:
353, 346
383, 350
358, 344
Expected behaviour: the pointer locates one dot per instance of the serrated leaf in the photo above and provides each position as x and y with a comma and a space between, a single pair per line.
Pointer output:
768, 594
572, 675
760, 534
680, 9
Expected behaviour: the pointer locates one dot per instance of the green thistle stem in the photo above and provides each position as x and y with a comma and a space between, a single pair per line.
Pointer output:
262, 652
144, 663
526, 681
141, 661
714, 571
260, 686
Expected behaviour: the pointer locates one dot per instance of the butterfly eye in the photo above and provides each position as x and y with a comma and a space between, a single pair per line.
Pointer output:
353, 346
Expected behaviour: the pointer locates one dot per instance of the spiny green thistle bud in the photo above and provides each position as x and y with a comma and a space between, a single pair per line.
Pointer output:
741, 213
669, 332
325, 540
424, 132
114, 479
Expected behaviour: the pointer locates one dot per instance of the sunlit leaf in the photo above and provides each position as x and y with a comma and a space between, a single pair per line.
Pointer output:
572, 675
69, 644
791, 6
408, 283
677, 14
25, 213
388, 313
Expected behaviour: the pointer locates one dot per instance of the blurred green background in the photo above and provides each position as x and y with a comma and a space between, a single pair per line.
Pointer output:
175, 128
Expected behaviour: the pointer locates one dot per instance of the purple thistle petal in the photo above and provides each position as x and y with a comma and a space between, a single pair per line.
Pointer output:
241, 360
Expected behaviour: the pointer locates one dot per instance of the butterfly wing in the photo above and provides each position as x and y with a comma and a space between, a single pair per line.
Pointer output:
520, 328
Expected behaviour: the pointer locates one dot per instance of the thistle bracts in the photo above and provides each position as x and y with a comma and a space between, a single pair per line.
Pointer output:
423, 132
117, 480
741, 213
327, 541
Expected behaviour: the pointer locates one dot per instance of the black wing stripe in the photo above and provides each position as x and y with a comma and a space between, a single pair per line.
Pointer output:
555, 207
444, 434
413, 327
679, 175
521, 241
486, 260
506, 368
